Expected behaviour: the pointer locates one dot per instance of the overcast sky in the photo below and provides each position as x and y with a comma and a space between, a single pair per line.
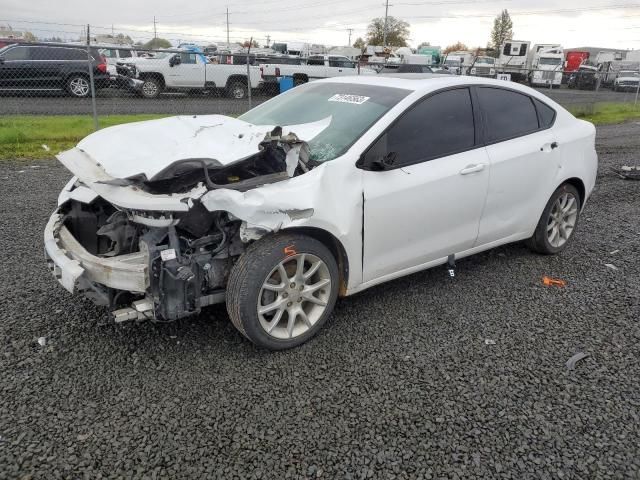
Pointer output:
597, 23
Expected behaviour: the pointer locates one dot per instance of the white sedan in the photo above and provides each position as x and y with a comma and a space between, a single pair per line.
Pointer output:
324, 191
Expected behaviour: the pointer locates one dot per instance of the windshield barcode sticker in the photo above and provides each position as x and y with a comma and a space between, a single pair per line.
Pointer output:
344, 98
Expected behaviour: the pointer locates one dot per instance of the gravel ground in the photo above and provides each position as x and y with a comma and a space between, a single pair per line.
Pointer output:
111, 102
403, 382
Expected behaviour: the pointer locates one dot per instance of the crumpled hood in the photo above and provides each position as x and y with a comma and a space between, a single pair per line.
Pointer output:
147, 148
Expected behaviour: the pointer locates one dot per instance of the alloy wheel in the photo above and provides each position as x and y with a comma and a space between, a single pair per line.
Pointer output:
294, 296
79, 86
562, 220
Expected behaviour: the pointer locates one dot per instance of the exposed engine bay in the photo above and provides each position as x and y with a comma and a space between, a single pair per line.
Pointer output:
184, 223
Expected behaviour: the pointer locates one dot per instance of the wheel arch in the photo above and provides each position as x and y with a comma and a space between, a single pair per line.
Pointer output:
155, 75
236, 78
578, 184
334, 245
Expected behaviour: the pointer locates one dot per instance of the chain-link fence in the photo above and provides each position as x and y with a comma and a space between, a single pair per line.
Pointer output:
102, 79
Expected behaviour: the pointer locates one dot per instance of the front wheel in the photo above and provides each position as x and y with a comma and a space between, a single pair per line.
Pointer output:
558, 221
151, 88
282, 290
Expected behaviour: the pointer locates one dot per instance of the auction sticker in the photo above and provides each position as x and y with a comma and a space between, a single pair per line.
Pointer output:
346, 98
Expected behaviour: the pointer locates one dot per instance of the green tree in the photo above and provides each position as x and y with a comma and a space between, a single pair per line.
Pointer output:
157, 43
359, 43
422, 45
502, 30
397, 32
30, 37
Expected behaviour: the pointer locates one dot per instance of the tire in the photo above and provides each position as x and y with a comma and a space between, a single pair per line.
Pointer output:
548, 233
259, 266
299, 81
237, 90
151, 88
78, 86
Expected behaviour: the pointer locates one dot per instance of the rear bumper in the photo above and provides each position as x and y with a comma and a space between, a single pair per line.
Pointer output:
77, 269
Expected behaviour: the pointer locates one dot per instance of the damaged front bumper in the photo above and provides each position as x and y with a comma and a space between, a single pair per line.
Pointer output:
77, 270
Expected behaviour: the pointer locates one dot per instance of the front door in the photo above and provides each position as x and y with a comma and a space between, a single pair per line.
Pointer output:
426, 201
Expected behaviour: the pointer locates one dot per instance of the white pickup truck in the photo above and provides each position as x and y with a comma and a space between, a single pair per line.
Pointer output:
187, 71
315, 67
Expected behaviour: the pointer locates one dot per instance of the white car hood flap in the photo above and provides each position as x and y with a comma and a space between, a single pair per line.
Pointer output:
146, 148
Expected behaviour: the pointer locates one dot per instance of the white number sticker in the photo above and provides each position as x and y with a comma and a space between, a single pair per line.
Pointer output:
168, 254
345, 98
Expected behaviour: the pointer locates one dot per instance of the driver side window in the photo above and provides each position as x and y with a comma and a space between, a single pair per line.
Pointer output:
438, 126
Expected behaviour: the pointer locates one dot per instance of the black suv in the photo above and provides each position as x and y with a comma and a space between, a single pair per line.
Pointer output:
51, 67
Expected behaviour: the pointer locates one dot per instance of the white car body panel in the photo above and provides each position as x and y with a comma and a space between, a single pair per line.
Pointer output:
414, 217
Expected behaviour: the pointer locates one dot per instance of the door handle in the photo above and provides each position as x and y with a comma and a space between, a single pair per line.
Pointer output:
473, 168
554, 145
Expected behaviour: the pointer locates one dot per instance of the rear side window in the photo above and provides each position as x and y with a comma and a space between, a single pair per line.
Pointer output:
16, 53
188, 58
440, 125
68, 54
546, 114
507, 114
109, 52
315, 61
124, 53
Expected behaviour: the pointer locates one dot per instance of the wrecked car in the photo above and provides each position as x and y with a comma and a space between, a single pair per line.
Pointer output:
326, 190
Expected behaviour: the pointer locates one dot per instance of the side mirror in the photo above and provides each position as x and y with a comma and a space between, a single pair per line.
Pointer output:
380, 163
175, 60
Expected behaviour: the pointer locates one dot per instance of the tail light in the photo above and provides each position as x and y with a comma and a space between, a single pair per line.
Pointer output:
277, 71
102, 67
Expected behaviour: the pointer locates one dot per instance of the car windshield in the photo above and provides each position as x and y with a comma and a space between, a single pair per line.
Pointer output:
550, 61
488, 61
353, 109
629, 74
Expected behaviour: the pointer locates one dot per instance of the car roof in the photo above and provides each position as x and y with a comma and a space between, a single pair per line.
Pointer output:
422, 82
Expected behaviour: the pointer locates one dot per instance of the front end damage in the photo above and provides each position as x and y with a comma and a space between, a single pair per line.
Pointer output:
156, 238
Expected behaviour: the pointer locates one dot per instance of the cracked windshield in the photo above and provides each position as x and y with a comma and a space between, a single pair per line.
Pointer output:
352, 108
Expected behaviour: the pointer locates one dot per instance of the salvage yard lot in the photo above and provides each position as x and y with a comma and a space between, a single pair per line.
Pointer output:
425, 376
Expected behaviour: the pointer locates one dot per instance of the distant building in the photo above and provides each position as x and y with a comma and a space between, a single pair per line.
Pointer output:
6, 32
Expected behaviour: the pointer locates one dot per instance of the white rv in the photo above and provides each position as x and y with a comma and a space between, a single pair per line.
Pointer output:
513, 59
545, 63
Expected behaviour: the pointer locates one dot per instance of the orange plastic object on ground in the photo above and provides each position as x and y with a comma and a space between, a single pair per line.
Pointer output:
553, 282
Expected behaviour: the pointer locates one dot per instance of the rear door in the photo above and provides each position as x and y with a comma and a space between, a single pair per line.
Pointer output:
316, 68
428, 204
525, 157
341, 66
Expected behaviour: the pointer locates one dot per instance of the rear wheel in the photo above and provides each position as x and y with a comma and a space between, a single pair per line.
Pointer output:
299, 81
237, 90
282, 290
78, 86
558, 221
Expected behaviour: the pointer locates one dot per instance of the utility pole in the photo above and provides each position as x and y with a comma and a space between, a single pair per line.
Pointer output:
384, 32
227, 27
155, 33
350, 30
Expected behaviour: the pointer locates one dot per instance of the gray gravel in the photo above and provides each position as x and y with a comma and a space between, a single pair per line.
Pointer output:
112, 102
403, 382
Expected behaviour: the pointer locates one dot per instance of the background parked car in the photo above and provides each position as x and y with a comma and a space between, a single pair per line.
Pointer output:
411, 68
51, 67
584, 78
626, 80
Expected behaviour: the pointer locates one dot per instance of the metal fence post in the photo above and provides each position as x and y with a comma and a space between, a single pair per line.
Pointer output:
249, 73
91, 82
635, 104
